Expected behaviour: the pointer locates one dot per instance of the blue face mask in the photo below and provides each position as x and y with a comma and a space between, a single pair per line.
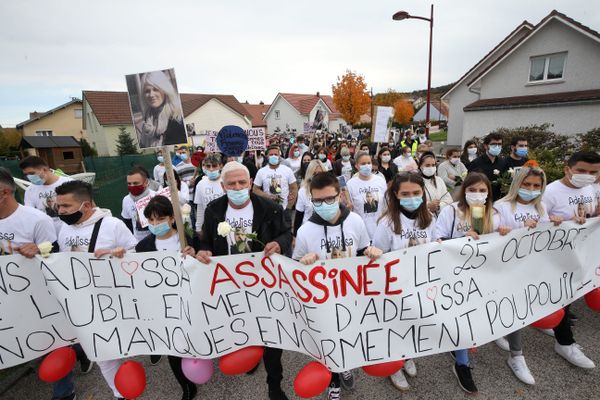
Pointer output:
365, 170
411, 203
183, 156
36, 180
495, 150
521, 152
529, 195
238, 197
212, 175
159, 229
160, 159
327, 211
273, 160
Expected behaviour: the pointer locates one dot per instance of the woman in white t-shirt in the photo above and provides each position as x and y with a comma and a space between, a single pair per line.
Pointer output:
304, 207
322, 156
294, 161
367, 192
438, 196
406, 222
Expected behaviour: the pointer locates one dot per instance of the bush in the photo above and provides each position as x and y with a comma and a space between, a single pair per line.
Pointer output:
589, 141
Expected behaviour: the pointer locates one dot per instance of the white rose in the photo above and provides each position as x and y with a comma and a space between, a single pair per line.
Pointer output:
511, 171
223, 229
496, 172
45, 248
477, 212
278, 190
186, 210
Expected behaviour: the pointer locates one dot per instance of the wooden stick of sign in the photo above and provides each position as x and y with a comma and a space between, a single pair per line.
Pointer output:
174, 196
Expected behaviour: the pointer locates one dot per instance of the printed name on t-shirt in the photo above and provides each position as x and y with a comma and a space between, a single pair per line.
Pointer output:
240, 223
413, 234
522, 217
368, 189
74, 241
580, 200
463, 227
46, 195
337, 242
7, 236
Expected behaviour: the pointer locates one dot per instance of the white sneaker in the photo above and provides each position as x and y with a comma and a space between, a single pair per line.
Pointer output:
399, 381
573, 354
519, 368
502, 343
410, 368
549, 332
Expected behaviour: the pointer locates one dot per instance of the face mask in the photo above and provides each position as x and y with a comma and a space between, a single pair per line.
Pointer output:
322, 157
212, 175
454, 161
475, 199
296, 154
582, 180
353, 144
365, 170
183, 156
521, 152
472, 151
72, 218
406, 155
160, 229
528, 195
36, 180
327, 211
428, 171
386, 158
411, 203
391, 144
160, 159
305, 165
413, 137
345, 158
273, 160
495, 150
238, 197
136, 190
240, 159
423, 138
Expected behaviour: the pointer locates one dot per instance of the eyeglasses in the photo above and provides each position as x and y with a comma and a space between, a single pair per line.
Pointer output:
327, 200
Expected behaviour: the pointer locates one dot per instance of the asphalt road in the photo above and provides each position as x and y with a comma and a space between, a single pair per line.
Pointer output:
555, 378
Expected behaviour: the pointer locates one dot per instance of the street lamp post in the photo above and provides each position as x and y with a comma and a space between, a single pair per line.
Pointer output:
399, 16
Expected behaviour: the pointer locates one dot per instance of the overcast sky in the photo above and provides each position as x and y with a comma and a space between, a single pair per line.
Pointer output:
52, 50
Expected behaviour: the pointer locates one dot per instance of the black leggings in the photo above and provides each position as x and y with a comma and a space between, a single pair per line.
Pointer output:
175, 363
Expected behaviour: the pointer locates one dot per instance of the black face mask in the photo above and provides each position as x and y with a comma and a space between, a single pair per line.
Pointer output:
71, 219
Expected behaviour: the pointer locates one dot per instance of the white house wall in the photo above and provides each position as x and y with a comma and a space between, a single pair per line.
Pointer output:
213, 115
288, 117
434, 114
566, 120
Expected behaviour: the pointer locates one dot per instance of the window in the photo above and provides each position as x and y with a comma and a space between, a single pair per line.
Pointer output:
78, 113
547, 68
44, 133
276, 114
68, 155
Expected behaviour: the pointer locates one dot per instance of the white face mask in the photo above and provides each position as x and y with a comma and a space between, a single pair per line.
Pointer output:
428, 171
472, 151
386, 158
582, 180
476, 199
454, 161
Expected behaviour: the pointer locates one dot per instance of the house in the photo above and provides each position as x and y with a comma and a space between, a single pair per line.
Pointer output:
438, 111
547, 73
257, 113
300, 113
64, 120
60, 152
106, 112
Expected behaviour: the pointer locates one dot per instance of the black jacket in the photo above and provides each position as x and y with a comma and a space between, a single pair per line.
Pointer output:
148, 243
268, 223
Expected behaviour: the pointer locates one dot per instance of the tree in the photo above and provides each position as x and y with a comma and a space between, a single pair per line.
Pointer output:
86, 149
351, 97
125, 143
389, 98
403, 112
10, 138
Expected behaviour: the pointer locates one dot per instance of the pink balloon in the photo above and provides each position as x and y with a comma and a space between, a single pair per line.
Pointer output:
197, 370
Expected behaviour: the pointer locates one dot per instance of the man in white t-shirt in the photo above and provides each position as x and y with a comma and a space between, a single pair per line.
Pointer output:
209, 187
573, 198
76, 209
246, 213
137, 186
159, 169
41, 193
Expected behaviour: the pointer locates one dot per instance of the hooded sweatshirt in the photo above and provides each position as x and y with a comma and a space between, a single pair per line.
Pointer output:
113, 233
347, 237
129, 212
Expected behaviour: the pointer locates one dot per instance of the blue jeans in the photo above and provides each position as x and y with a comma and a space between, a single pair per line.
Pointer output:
462, 357
66, 386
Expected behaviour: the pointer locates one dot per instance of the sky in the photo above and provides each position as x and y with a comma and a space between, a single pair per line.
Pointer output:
52, 50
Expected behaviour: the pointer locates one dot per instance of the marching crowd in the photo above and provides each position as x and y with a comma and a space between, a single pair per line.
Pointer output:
328, 198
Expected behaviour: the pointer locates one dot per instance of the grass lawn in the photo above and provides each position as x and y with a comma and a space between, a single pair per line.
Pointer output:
440, 136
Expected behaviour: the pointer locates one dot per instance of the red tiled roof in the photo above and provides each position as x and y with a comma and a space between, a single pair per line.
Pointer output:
304, 103
256, 113
112, 108
535, 100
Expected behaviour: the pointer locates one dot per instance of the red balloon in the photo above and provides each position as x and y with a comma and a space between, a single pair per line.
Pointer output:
592, 299
550, 321
383, 369
312, 380
130, 379
57, 364
241, 361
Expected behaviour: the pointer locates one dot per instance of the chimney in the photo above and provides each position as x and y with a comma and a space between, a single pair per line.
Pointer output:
262, 103
318, 94
34, 114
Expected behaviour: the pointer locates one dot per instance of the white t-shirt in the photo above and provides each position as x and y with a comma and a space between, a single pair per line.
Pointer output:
515, 218
596, 188
405, 164
327, 163
113, 233
159, 173
171, 243
276, 181
25, 225
241, 221
368, 199
129, 211
184, 193
311, 239
448, 217
347, 170
43, 197
567, 202
206, 191
294, 165
410, 234
304, 204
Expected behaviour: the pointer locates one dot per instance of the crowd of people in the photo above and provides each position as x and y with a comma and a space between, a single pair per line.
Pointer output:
311, 200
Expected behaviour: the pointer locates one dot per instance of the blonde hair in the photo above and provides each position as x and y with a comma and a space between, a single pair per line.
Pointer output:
472, 179
171, 107
310, 172
513, 192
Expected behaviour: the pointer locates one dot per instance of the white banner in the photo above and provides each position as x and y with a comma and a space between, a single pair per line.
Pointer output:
256, 140
345, 313
382, 124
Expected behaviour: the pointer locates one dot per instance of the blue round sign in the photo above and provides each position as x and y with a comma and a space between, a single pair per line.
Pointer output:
232, 140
